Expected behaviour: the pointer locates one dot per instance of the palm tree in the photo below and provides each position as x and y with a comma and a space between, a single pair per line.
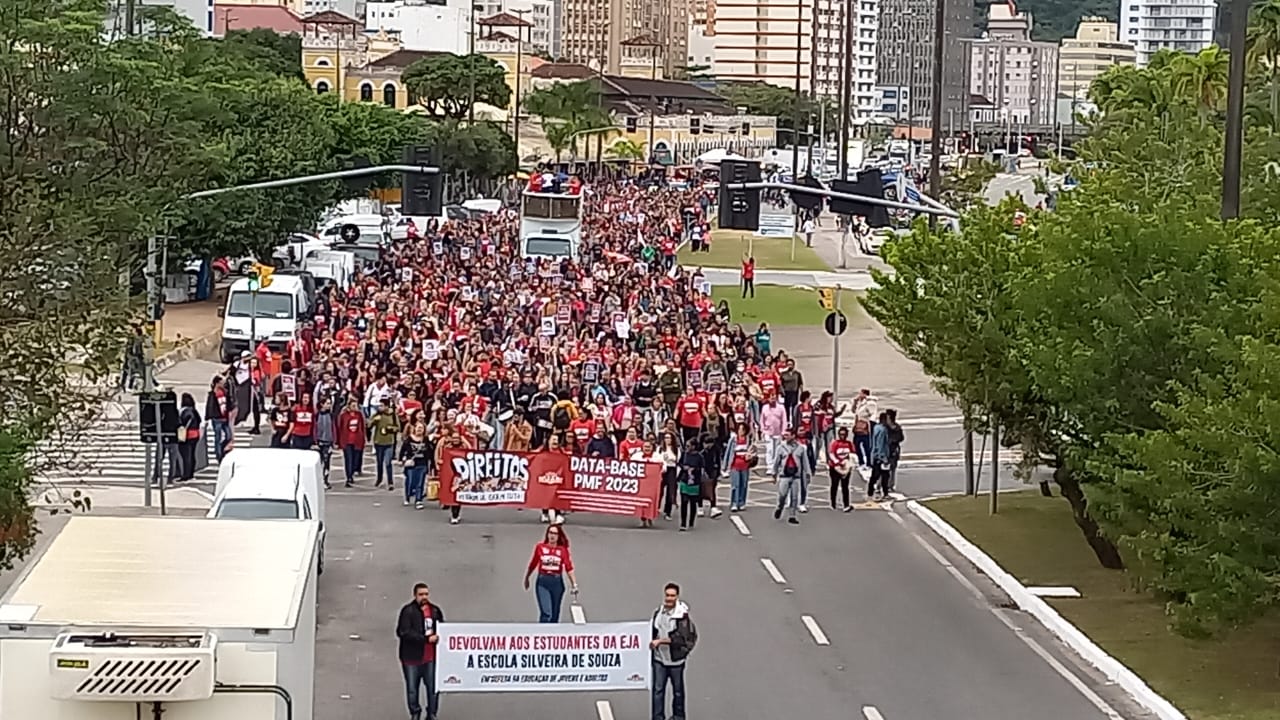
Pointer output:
575, 108
1202, 79
1264, 49
559, 136
625, 149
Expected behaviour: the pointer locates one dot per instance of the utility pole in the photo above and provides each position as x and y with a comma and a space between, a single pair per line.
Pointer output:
995, 466
846, 94
970, 479
835, 351
154, 308
130, 17
796, 115
935, 105
1233, 146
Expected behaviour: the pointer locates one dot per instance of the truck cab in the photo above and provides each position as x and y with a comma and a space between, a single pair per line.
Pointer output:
550, 225
272, 314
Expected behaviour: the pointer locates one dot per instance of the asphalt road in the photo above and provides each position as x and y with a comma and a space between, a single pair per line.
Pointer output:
889, 626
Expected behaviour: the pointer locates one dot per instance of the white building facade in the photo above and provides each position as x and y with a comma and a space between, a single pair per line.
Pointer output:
1018, 75
447, 26
758, 40
1182, 25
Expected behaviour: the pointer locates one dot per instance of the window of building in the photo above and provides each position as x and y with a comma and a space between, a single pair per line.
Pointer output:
389, 95
322, 87
366, 92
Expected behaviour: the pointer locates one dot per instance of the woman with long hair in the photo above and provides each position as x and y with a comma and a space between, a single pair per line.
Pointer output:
669, 451
551, 560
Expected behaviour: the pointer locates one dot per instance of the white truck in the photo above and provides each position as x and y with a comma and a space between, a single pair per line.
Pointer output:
176, 617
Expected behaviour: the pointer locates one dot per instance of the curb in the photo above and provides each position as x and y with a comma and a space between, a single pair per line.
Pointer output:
195, 348
1113, 669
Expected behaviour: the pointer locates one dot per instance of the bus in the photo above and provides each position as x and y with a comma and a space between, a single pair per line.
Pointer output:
550, 224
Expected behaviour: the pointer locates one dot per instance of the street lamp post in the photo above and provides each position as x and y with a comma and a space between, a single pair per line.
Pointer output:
796, 114
935, 102
649, 41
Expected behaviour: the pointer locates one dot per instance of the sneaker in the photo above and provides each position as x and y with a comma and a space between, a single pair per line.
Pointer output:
683, 528
804, 508
848, 508
417, 506
716, 512
666, 516
406, 502
777, 513
454, 521
349, 484
793, 521
390, 486
833, 506
702, 512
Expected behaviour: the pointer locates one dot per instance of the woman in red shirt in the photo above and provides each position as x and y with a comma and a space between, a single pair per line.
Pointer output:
552, 561
351, 437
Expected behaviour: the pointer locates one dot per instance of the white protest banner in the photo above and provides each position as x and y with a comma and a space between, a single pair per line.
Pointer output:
702, 285
464, 253
534, 657
548, 326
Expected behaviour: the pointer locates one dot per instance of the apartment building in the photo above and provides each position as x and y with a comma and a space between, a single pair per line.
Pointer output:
1182, 25
1095, 47
762, 41
904, 63
625, 36
447, 25
1018, 75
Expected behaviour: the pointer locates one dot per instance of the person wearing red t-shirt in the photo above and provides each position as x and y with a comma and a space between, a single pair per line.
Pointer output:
302, 423
417, 629
741, 452
581, 431
749, 277
840, 456
769, 382
552, 562
690, 410
630, 444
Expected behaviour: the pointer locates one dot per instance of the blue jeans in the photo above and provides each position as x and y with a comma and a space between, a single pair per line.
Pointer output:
351, 456
862, 446
382, 456
738, 487
416, 676
221, 436
415, 483
550, 592
662, 674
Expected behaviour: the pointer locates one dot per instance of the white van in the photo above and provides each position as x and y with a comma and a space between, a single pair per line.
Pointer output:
279, 308
272, 484
374, 229
335, 267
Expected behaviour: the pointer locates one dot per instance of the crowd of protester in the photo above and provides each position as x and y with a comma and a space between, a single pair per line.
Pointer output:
453, 340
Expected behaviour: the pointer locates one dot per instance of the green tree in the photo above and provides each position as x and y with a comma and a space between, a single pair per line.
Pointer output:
276, 53
446, 84
1264, 50
624, 149
98, 139
575, 109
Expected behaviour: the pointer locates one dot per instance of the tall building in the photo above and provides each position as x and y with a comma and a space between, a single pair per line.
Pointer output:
1018, 75
1096, 47
904, 66
756, 41
199, 12
625, 36
1183, 25
447, 25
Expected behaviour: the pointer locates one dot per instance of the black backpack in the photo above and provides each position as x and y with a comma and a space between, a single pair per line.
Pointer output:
684, 637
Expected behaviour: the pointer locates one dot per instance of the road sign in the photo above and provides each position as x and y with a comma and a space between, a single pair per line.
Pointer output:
827, 298
836, 323
349, 233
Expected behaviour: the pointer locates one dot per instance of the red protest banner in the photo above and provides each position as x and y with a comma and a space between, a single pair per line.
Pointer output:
550, 481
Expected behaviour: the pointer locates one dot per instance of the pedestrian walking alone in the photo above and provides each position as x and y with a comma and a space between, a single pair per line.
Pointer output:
790, 469
552, 561
673, 638
417, 629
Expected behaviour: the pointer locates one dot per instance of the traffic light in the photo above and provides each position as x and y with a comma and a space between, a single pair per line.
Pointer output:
805, 200
423, 195
827, 298
739, 209
869, 184
260, 276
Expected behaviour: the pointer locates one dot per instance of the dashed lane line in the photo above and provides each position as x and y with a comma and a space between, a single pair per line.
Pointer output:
772, 568
742, 526
604, 710
815, 630
870, 713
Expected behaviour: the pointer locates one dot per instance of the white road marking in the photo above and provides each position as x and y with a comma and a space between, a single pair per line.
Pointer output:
579, 616
960, 578
771, 568
897, 518
604, 710
742, 527
1054, 592
871, 713
814, 630
927, 548
1061, 669
897, 496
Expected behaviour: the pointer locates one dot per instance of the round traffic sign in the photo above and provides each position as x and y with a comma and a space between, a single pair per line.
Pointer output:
836, 323
349, 233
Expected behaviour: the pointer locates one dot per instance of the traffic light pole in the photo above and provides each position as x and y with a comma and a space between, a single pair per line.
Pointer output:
835, 355
930, 206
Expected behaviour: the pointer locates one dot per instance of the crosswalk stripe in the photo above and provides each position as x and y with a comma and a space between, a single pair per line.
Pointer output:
114, 452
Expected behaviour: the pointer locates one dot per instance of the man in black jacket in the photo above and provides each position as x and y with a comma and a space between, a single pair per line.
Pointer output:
416, 629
